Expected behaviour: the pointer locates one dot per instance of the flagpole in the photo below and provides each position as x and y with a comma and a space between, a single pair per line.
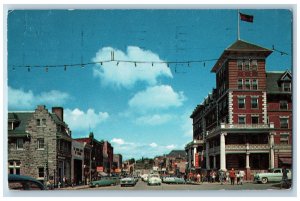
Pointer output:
238, 11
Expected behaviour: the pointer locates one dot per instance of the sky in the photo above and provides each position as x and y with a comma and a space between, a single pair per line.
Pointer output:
143, 110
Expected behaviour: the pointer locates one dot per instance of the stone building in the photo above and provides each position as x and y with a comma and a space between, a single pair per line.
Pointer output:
108, 153
246, 122
39, 145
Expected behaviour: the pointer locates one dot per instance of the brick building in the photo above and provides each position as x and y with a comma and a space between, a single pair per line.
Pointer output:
117, 162
77, 174
39, 144
96, 155
108, 154
245, 123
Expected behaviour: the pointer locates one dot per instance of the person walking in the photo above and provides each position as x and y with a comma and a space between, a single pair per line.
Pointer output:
198, 178
242, 174
238, 178
221, 176
284, 178
213, 176
232, 176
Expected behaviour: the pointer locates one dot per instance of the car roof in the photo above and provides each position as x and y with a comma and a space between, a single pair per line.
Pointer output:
16, 178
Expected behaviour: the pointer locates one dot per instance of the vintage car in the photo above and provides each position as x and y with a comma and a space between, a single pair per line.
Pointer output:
154, 179
274, 175
144, 177
128, 181
21, 182
105, 181
174, 180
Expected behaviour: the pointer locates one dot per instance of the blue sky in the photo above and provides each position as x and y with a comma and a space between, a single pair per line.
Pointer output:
142, 110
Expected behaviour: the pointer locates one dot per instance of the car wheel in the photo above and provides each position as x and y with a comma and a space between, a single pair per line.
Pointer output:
264, 180
97, 185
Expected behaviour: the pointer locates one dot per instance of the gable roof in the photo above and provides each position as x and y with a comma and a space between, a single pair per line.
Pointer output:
274, 79
177, 154
240, 46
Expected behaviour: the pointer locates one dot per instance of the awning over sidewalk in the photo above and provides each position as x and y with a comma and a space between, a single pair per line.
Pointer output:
287, 161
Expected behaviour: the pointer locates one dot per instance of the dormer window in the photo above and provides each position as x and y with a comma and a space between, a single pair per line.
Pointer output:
286, 86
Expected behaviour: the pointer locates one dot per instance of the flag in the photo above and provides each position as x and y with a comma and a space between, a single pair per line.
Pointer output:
247, 18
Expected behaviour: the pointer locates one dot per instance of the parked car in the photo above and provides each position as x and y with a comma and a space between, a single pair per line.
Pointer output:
274, 175
22, 182
128, 181
145, 177
174, 180
105, 181
154, 179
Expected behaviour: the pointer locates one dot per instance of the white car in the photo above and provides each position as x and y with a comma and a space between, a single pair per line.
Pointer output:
154, 179
274, 175
145, 177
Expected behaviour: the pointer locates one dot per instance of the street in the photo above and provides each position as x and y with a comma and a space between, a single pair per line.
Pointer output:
203, 186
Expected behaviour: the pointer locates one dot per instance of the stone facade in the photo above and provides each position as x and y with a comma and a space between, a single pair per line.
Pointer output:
46, 150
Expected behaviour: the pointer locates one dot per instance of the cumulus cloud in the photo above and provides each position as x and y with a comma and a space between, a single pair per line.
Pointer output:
21, 99
153, 144
117, 141
154, 120
126, 74
172, 146
80, 120
157, 97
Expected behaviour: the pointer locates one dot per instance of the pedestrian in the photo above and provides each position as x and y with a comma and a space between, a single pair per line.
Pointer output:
242, 174
213, 176
238, 178
284, 177
221, 176
198, 178
232, 176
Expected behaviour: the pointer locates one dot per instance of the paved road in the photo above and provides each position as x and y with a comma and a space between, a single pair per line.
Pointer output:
204, 186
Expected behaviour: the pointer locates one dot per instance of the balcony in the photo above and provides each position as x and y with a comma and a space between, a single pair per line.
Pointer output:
243, 148
247, 126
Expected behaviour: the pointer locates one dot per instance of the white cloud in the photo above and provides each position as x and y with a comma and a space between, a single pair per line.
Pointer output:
125, 74
157, 97
21, 99
172, 146
117, 141
80, 120
153, 120
153, 144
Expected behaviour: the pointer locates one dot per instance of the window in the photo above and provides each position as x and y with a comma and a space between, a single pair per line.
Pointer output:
286, 86
242, 120
241, 102
240, 64
41, 143
254, 84
14, 167
247, 83
254, 102
284, 138
247, 65
284, 122
38, 122
254, 119
240, 84
254, 65
283, 105
20, 143
41, 171
44, 122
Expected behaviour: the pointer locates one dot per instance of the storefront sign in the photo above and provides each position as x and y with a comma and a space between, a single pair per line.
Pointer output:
99, 168
196, 160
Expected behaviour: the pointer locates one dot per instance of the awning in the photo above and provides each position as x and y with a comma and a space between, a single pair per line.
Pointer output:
287, 161
103, 174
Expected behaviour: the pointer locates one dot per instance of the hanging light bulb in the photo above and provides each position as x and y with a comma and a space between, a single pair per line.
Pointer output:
168, 65
188, 64
152, 64
13, 68
82, 65
46, 69
135, 64
204, 64
117, 63
101, 63
65, 68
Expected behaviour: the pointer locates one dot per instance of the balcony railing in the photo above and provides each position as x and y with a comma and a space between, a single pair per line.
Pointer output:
247, 126
247, 147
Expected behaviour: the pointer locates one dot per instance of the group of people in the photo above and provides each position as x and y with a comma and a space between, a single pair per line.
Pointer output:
239, 176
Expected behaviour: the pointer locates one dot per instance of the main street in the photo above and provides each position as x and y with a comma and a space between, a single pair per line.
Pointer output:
203, 186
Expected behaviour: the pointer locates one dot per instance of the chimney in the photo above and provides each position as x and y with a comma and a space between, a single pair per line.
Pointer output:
59, 111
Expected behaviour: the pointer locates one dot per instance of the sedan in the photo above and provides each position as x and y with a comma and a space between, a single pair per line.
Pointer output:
105, 181
21, 182
174, 180
128, 181
154, 180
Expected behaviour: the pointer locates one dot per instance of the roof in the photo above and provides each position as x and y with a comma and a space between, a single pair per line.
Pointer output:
274, 79
177, 154
23, 118
240, 46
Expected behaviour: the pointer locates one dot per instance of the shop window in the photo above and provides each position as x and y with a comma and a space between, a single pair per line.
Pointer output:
241, 102
283, 105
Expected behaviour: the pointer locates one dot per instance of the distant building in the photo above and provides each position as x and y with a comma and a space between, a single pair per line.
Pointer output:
39, 145
117, 161
246, 122
96, 155
77, 174
108, 154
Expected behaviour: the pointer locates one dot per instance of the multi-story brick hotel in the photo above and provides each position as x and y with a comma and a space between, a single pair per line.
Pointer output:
246, 122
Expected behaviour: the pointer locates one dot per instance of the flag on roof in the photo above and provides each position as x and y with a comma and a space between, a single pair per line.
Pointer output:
247, 18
